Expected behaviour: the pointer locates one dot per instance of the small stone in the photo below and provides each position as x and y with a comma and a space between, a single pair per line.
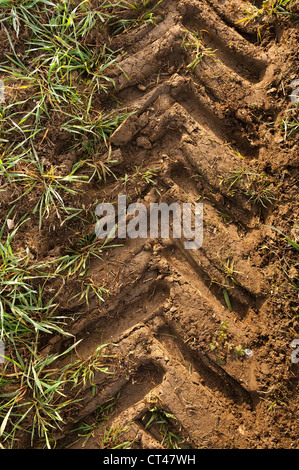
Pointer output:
10, 224
248, 352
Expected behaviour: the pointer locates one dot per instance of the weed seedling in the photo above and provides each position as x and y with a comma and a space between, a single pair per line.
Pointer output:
198, 48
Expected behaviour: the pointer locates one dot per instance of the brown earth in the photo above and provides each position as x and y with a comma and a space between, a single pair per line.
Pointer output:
166, 307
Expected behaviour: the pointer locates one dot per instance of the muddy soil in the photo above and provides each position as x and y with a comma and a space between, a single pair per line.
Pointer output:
204, 334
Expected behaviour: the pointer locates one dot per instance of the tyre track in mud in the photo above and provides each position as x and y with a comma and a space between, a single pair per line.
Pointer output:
161, 294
